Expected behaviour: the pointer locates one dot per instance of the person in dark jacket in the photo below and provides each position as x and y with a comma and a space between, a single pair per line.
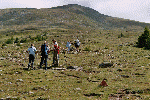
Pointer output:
44, 55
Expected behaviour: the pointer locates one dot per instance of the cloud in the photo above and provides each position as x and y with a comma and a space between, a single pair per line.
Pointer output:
134, 9
29, 3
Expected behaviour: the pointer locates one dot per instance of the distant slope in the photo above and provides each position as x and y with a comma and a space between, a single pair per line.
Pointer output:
68, 16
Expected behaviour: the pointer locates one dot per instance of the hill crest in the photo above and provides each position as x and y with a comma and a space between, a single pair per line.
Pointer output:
67, 16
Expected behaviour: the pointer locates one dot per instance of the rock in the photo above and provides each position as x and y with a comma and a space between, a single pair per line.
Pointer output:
79, 69
75, 68
105, 64
124, 76
133, 92
120, 45
59, 68
71, 67
8, 98
94, 94
1, 90
78, 89
19, 80
2, 58
30, 92
147, 57
120, 70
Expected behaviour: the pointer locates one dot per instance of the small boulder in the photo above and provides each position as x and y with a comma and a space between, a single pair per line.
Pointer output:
105, 64
19, 80
72, 67
2, 58
124, 76
119, 70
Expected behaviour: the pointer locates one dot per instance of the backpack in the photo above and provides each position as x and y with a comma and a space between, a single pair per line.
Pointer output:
77, 43
44, 49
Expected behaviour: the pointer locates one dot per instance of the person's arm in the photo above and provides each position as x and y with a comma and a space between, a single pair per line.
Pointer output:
35, 50
48, 49
27, 51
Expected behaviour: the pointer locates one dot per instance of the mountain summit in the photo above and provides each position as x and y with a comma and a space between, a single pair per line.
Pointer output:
67, 16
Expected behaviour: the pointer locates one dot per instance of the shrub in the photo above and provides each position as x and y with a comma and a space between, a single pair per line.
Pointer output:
4, 44
121, 35
12, 38
143, 39
45, 33
9, 41
148, 43
18, 44
16, 40
23, 40
106, 48
40, 38
87, 49
30, 37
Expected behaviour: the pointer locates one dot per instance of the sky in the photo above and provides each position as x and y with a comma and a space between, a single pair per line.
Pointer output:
138, 10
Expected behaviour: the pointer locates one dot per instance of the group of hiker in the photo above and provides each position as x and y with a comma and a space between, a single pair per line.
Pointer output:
76, 44
45, 50
44, 54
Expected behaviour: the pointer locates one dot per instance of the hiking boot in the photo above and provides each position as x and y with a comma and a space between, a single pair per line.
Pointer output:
29, 66
55, 65
40, 67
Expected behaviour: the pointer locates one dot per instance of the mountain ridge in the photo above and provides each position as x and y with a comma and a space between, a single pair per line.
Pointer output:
67, 16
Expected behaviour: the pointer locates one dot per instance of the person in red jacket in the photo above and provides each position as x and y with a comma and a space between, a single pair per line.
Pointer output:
56, 53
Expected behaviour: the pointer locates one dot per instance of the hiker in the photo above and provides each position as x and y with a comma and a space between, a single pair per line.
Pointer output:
56, 53
31, 50
77, 44
68, 46
44, 55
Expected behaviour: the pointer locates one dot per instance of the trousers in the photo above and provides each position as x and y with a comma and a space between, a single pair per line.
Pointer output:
44, 60
55, 58
31, 60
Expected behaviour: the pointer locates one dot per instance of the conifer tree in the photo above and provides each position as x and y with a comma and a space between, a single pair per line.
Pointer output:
142, 40
148, 43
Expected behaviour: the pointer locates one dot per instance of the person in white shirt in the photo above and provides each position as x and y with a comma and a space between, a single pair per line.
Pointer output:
68, 46
31, 50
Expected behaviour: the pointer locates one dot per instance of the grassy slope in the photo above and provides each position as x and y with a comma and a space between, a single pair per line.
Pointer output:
18, 82
15, 81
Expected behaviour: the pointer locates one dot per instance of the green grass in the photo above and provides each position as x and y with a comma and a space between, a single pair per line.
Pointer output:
116, 46
16, 81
